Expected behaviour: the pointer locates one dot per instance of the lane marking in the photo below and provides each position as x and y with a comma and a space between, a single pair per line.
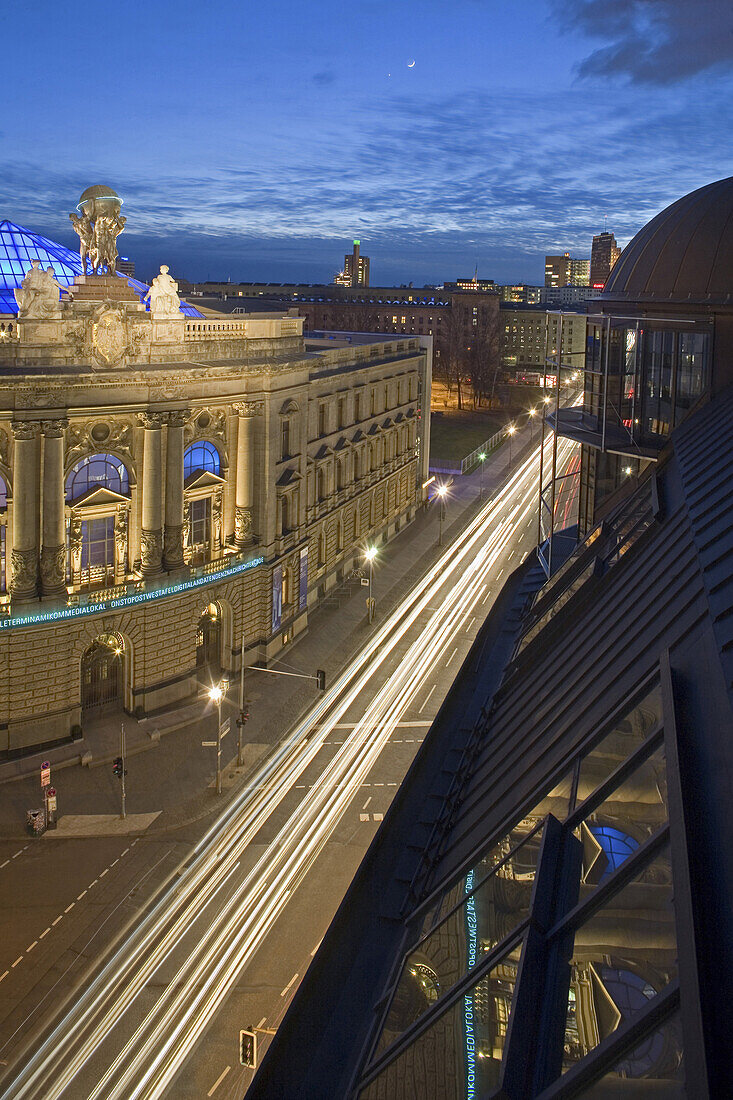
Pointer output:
218, 1081
316, 947
104, 872
44, 933
55, 922
378, 817
92, 884
4, 975
7, 861
124, 853
500, 572
422, 708
486, 596
81, 895
31, 946
18, 960
115, 861
69, 907
473, 620
262, 1022
451, 657
367, 802
290, 984
363, 817
16, 854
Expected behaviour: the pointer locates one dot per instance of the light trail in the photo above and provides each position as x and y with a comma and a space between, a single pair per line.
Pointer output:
152, 1056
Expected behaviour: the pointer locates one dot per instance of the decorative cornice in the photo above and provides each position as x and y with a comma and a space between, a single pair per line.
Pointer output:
248, 408
152, 420
25, 429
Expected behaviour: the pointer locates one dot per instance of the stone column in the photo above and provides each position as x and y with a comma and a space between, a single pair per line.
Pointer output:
151, 536
245, 473
53, 551
24, 559
173, 547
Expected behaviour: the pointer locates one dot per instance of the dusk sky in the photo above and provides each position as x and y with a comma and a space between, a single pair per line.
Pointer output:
253, 141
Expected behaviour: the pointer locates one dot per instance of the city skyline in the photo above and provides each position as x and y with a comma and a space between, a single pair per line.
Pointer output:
249, 150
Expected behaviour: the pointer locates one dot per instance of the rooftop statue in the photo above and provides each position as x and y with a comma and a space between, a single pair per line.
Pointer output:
163, 295
38, 297
98, 225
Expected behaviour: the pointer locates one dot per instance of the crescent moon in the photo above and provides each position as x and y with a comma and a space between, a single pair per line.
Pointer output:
410, 64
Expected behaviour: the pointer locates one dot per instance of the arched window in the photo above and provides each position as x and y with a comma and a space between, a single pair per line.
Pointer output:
95, 471
201, 456
617, 847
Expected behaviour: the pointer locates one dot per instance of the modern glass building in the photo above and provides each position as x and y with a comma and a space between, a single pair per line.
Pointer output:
19, 247
547, 909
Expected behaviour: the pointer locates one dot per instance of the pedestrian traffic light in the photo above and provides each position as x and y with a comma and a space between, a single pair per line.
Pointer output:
118, 767
321, 679
248, 1048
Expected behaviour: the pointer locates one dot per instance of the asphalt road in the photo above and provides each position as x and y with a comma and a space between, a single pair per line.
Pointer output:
225, 944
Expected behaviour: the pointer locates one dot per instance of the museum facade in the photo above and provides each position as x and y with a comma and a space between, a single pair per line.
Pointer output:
175, 485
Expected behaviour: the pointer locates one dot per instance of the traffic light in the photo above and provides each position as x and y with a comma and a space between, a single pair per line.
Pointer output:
118, 767
321, 679
248, 1048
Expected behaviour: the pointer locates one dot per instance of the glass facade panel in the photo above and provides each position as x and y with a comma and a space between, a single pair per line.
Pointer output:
491, 911
556, 802
618, 745
98, 551
459, 1056
654, 1067
623, 955
200, 529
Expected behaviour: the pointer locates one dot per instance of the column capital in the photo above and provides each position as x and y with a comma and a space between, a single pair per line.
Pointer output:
153, 421
249, 408
25, 429
178, 417
54, 429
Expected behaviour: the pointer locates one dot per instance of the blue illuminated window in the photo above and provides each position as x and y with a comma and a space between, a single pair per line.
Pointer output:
94, 471
617, 847
3, 493
201, 456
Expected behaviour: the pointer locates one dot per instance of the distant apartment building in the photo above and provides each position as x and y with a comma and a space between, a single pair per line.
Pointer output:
603, 255
356, 269
528, 335
554, 296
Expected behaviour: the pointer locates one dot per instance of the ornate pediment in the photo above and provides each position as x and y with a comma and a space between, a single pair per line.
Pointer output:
101, 497
203, 479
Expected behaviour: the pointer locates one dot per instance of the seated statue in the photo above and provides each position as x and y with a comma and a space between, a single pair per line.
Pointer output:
38, 296
163, 295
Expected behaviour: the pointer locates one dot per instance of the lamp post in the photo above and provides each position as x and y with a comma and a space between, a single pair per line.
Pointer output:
531, 413
442, 490
510, 432
482, 457
370, 554
215, 694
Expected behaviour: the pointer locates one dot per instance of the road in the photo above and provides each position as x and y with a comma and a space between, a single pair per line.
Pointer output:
133, 1028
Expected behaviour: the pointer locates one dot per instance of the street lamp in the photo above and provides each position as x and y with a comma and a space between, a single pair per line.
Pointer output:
216, 694
482, 458
511, 429
442, 490
370, 554
531, 413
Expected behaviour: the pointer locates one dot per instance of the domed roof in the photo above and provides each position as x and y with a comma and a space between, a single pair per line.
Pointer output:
684, 254
19, 247
98, 191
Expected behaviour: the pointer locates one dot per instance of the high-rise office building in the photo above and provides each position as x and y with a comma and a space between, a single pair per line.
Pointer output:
603, 255
564, 270
356, 269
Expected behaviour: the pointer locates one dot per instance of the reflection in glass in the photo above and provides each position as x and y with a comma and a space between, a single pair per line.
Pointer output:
556, 802
490, 912
459, 1057
656, 1058
623, 955
623, 740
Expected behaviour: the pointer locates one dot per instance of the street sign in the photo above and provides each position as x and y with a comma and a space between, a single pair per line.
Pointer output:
208, 744
51, 799
248, 1048
45, 774
225, 727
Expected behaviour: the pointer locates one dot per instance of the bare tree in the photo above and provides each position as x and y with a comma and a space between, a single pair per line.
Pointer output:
484, 359
454, 350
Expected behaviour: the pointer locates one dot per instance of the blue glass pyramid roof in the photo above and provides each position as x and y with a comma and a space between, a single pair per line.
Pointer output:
19, 246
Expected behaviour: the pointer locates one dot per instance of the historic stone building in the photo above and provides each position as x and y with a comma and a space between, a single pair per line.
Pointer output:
173, 485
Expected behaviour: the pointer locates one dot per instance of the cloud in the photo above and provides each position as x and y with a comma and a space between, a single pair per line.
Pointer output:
323, 79
653, 42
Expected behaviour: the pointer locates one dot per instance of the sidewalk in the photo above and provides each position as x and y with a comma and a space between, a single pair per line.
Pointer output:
173, 774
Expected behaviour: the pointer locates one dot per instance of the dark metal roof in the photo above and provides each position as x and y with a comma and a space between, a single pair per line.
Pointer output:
684, 254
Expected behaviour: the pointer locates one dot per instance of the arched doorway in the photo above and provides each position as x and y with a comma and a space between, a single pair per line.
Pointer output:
208, 643
102, 680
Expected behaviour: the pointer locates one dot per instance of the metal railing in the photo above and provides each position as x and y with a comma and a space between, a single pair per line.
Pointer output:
471, 461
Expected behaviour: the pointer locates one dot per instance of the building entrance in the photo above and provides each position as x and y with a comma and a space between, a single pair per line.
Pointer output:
101, 675
208, 642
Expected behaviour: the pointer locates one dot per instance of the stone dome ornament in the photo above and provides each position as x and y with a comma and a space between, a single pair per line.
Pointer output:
98, 225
